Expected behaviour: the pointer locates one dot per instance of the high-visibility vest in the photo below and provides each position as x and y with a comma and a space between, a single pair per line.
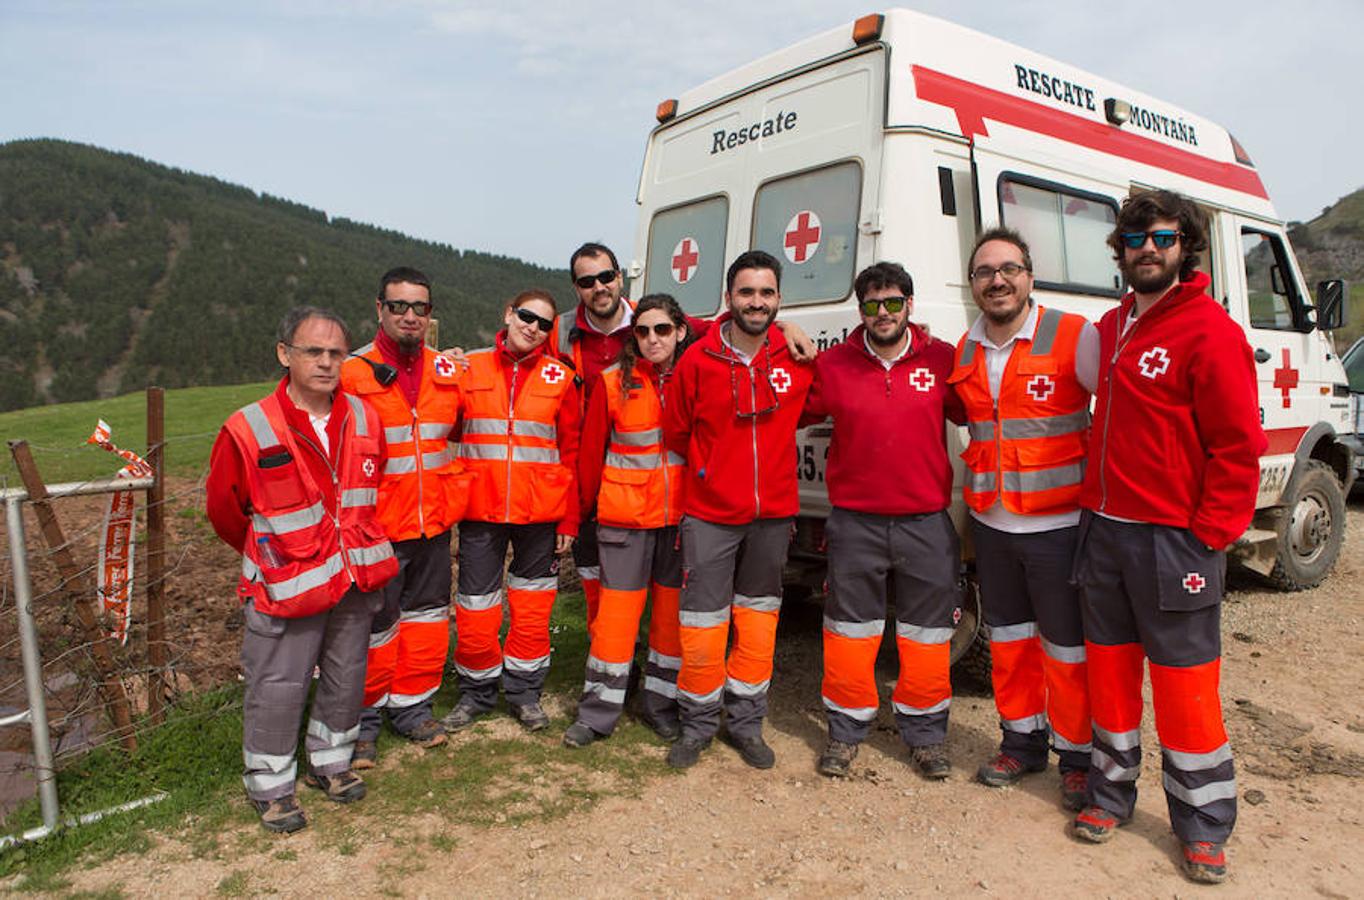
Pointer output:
1028, 449
298, 559
510, 438
424, 488
641, 482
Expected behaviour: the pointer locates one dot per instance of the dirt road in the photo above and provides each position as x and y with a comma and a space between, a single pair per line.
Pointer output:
1291, 681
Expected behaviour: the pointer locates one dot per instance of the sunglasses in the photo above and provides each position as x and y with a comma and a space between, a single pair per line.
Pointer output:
892, 304
400, 307
317, 353
606, 277
531, 318
662, 329
986, 274
1163, 239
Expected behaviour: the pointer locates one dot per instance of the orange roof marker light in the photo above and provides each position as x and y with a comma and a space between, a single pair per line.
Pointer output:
666, 110
868, 28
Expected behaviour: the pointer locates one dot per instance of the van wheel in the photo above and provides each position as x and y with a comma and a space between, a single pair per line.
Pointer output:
970, 648
1313, 530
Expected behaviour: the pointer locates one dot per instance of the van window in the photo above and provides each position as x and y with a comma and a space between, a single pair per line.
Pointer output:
809, 223
1067, 232
687, 254
1268, 281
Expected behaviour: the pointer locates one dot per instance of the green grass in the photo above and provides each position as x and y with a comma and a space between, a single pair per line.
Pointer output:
57, 433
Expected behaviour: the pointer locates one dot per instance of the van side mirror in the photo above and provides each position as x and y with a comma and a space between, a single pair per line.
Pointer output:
1330, 304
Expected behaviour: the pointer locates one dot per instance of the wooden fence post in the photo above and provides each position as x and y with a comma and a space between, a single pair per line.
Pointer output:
156, 555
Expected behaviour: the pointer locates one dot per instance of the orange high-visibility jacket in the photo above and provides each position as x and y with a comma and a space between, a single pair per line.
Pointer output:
1027, 449
510, 438
424, 488
299, 559
641, 480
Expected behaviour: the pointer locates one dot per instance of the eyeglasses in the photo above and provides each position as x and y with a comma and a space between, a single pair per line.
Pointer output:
400, 307
986, 274
606, 277
531, 318
892, 304
662, 329
1163, 239
762, 397
316, 353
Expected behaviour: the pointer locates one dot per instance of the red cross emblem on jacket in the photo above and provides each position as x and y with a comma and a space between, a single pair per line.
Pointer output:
1154, 362
922, 379
1040, 387
781, 380
552, 373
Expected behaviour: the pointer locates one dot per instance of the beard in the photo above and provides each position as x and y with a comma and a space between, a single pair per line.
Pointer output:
1151, 283
892, 339
750, 328
409, 345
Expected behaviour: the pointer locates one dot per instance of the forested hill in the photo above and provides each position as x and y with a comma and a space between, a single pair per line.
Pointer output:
116, 272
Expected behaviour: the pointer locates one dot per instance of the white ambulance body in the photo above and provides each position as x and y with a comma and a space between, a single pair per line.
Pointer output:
901, 137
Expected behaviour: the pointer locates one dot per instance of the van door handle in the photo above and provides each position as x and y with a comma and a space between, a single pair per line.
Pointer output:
1261, 355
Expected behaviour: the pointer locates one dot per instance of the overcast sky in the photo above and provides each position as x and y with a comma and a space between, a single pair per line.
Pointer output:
518, 126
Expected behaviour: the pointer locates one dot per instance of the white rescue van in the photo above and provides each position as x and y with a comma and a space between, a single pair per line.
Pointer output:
901, 137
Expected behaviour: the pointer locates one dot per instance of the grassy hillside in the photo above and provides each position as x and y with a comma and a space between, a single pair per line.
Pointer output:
116, 272
1332, 246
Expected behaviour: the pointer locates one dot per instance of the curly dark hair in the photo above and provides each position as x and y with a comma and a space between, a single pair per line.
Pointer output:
1144, 207
629, 351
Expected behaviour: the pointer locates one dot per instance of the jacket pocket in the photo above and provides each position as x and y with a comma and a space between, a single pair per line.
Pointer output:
549, 486
264, 625
456, 486
1189, 576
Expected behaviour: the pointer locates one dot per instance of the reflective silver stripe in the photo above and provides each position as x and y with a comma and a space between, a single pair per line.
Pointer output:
399, 701
1044, 479
380, 703
689, 619
398, 434
368, 348
485, 426
1119, 740
1201, 796
475, 602
660, 686
607, 668
968, 352
980, 482
327, 756
854, 629
589, 573
981, 431
352, 497
436, 614
527, 428
357, 410
632, 460
1063, 654
383, 638
646, 438
268, 771
1194, 762
905, 709
704, 699
1061, 743
615, 696
1045, 334
676, 459
1110, 767
1026, 724
260, 425
1044, 426
479, 674
441, 457
434, 431
309, 580
673, 663
546, 583
746, 688
272, 762
535, 454
370, 556
283, 523
400, 465
761, 604
331, 736
861, 714
922, 635
513, 664
1004, 634
483, 451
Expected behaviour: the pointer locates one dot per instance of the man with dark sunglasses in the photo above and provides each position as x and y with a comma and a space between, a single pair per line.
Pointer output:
1172, 482
422, 495
890, 483
731, 410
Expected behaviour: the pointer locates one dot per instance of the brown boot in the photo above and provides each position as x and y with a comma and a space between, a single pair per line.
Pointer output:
343, 787
282, 815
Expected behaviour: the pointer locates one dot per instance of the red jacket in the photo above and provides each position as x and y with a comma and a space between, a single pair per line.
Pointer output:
888, 454
736, 426
1176, 437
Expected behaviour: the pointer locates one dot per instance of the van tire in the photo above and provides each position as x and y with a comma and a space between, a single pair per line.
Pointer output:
1313, 529
970, 646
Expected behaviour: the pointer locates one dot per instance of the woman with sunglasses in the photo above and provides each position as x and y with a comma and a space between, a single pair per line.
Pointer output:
634, 483
519, 435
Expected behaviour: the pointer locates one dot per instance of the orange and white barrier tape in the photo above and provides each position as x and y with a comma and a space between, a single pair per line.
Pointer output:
117, 538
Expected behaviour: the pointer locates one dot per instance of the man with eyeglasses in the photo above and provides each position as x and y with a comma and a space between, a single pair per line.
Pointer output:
1173, 476
291, 486
890, 483
1025, 374
731, 410
422, 494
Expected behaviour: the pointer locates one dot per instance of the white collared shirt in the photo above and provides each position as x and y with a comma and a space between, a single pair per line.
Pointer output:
889, 363
319, 424
739, 354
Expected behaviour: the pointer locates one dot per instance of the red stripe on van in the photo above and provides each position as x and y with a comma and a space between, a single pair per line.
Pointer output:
1283, 440
974, 104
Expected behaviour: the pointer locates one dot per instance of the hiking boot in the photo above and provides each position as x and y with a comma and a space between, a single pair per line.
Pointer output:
686, 752
1005, 769
931, 761
1204, 862
837, 758
343, 787
365, 755
461, 717
282, 815
530, 715
427, 735
753, 750
1074, 789
668, 731
580, 734
1095, 824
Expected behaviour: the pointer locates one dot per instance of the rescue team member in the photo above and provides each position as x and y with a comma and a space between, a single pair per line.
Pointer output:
1173, 474
635, 486
291, 485
1025, 374
421, 495
519, 437
890, 483
731, 411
